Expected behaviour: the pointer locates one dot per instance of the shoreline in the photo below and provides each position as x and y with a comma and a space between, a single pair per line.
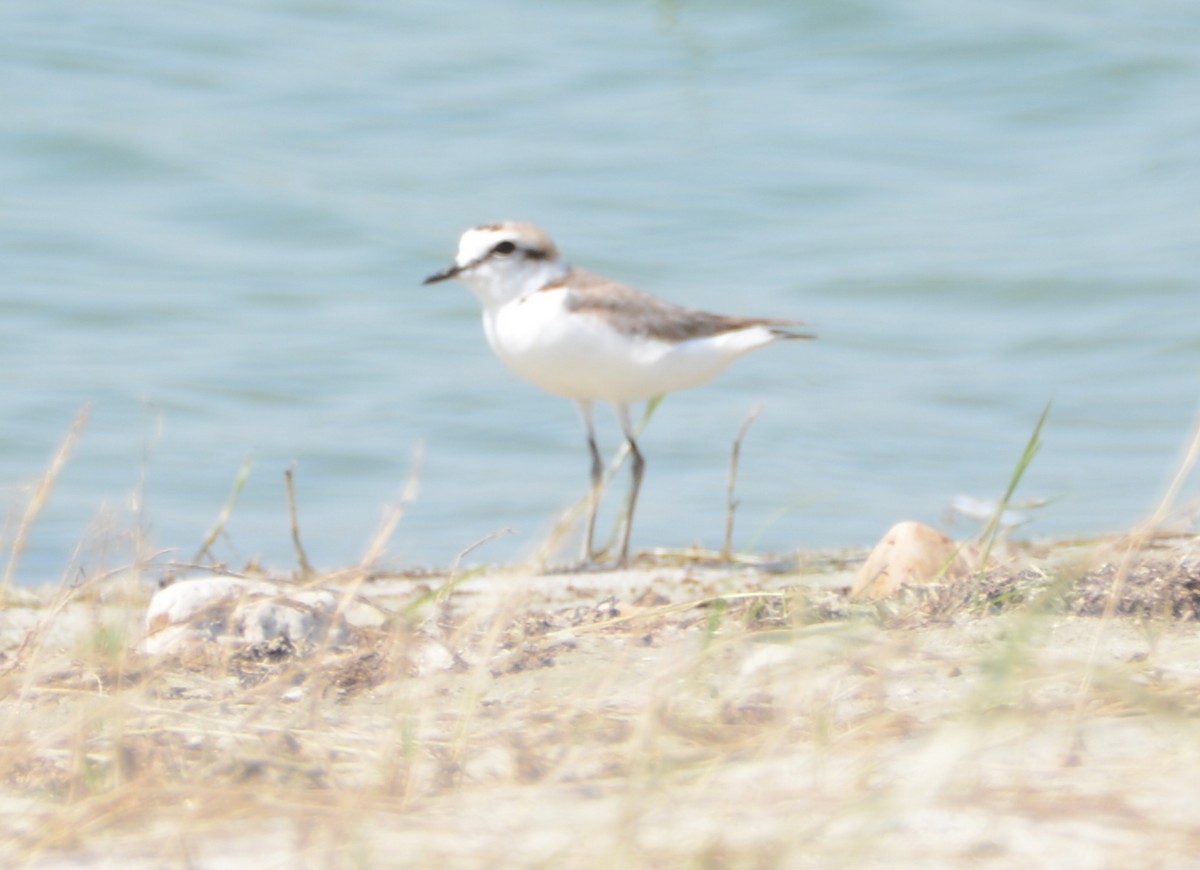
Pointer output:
664, 715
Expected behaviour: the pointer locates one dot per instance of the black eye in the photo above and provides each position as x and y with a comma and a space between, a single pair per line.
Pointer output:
504, 248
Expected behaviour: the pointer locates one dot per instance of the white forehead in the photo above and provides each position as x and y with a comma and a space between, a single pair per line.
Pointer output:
477, 241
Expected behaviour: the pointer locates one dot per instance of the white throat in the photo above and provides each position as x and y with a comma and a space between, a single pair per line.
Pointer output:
497, 283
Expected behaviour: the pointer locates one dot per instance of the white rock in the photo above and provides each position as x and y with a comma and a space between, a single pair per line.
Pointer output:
198, 601
433, 656
299, 616
236, 611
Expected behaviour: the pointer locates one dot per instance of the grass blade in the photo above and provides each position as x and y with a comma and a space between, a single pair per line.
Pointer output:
987, 537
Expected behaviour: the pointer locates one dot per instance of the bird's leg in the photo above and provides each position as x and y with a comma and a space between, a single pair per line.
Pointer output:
585, 411
639, 465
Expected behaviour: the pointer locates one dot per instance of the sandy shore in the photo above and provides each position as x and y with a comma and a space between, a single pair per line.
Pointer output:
680, 713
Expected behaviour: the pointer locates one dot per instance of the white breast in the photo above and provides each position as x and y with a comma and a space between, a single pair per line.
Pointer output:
580, 356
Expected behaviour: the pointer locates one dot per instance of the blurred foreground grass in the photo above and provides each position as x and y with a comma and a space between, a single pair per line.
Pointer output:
678, 714
688, 712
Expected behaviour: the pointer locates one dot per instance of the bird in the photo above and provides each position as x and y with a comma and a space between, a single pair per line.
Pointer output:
592, 339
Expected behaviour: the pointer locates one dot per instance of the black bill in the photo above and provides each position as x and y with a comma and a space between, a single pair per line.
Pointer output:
449, 272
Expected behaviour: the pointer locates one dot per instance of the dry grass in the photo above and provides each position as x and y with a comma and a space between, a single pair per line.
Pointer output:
685, 713
674, 715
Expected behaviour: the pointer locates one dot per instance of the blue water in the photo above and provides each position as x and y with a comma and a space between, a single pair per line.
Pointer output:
214, 221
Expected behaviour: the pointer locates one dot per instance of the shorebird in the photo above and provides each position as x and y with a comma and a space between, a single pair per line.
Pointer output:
590, 338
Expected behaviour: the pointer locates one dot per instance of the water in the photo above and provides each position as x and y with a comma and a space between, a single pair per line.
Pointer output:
214, 220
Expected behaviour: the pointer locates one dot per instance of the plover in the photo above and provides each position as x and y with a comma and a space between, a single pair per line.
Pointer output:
590, 338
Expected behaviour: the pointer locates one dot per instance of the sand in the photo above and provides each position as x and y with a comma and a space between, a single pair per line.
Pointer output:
680, 713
